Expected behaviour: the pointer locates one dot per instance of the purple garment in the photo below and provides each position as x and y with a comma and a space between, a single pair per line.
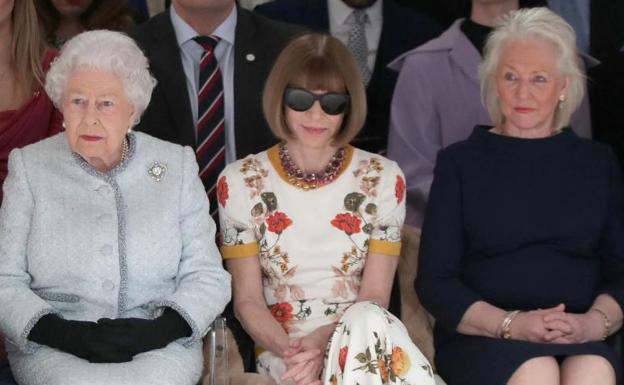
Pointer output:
437, 102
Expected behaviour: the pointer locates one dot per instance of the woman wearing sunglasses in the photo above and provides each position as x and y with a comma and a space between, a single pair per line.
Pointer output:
312, 232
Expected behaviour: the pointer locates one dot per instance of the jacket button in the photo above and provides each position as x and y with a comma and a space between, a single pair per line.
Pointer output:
106, 250
108, 285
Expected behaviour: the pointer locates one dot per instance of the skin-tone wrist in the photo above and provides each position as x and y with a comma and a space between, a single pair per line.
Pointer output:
596, 325
482, 319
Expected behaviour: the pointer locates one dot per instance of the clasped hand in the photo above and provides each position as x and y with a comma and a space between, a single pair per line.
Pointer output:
109, 340
304, 357
554, 325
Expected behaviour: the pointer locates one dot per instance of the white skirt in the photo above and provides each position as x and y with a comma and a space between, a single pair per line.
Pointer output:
369, 346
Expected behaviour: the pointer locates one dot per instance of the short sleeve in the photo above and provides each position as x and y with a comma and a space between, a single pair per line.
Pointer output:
238, 238
386, 234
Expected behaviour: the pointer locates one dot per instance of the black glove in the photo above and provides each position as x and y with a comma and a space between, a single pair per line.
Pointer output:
137, 335
81, 338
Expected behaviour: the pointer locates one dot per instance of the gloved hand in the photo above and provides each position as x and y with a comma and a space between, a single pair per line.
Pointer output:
137, 335
81, 338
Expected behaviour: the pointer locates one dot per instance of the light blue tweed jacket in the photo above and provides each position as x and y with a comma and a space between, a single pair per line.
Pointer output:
88, 245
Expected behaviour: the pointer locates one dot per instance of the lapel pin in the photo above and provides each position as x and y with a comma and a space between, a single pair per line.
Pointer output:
250, 57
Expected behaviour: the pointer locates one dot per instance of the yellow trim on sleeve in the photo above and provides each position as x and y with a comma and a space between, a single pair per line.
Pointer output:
259, 350
384, 247
240, 251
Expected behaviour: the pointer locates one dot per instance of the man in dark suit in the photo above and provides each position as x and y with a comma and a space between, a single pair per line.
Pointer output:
248, 44
257, 42
401, 30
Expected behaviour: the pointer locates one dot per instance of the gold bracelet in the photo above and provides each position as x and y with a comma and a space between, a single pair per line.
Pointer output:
607, 323
506, 324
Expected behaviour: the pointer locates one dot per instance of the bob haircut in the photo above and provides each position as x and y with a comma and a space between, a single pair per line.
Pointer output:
533, 23
108, 51
316, 62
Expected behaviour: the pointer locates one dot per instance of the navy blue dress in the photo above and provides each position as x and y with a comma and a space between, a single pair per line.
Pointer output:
520, 224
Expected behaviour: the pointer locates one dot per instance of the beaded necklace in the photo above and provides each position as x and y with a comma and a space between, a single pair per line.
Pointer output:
310, 180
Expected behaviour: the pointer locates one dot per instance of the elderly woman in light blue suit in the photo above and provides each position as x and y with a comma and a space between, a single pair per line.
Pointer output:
108, 269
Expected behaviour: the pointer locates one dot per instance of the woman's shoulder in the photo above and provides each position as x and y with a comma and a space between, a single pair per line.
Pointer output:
149, 144
592, 152
360, 158
249, 163
48, 58
45, 147
49, 153
430, 54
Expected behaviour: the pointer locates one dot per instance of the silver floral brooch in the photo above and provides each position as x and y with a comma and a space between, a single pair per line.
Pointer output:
157, 171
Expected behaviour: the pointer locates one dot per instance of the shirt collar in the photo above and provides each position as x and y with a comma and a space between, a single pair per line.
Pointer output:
226, 31
340, 11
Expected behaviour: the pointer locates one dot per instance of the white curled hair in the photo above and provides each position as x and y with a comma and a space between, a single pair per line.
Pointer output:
533, 23
108, 51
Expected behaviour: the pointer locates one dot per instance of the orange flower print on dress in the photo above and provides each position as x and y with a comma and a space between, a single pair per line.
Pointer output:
383, 370
342, 357
222, 191
282, 312
399, 189
278, 222
348, 223
400, 362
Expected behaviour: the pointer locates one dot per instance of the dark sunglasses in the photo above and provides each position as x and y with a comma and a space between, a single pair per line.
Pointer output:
301, 100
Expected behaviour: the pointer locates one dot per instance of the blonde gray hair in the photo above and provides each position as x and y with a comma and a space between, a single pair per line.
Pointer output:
533, 23
109, 51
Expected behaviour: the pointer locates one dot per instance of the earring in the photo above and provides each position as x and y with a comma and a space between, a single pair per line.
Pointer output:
64, 126
562, 99
129, 130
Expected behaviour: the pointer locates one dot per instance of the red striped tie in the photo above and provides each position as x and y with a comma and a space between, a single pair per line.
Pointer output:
210, 150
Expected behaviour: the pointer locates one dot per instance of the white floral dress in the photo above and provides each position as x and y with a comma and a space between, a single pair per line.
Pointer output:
312, 246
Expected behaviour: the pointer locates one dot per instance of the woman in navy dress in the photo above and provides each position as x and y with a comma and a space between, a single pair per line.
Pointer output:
522, 252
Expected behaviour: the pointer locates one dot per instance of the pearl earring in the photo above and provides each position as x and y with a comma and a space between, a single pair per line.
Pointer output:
562, 100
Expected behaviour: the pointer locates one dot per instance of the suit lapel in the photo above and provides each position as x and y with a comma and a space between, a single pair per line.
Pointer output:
166, 63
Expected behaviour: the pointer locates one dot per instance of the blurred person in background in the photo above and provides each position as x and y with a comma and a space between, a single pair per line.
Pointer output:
63, 19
